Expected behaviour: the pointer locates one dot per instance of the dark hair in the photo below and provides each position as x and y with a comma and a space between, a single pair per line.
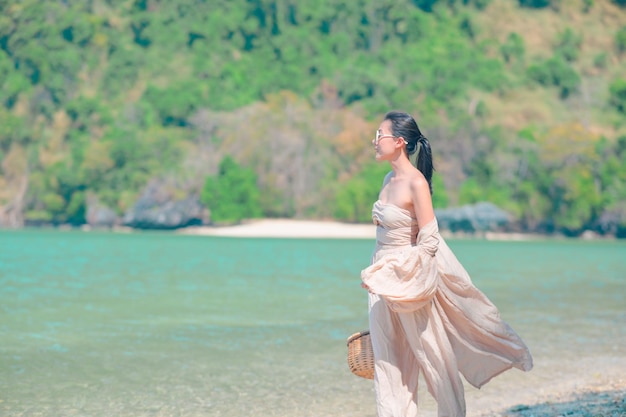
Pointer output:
403, 125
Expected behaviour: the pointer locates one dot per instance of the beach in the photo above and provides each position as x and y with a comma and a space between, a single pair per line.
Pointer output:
288, 228
329, 229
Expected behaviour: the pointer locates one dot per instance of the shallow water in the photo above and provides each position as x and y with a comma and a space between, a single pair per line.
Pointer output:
158, 324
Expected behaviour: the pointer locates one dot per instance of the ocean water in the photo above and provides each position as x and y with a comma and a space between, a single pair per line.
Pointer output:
160, 324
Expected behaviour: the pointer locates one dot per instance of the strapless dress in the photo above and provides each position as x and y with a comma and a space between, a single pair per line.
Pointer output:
426, 316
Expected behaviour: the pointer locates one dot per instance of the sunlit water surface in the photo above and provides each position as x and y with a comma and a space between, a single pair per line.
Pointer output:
158, 324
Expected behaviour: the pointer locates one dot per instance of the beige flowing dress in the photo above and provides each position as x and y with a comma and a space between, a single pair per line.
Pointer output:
426, 315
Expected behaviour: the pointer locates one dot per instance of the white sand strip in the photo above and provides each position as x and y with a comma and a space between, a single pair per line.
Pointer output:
288, 228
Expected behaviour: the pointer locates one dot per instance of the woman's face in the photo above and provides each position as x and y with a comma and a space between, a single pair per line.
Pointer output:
385, 143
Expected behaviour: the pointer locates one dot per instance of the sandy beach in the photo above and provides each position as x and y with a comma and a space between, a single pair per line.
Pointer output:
288, 228
329, 229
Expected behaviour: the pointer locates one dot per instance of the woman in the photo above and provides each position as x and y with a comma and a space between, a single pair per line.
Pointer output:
424, 312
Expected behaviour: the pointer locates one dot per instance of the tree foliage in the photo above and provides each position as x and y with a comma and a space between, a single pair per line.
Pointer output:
232, 195
620, 40
99, 97
513, 49
555, 72
568, 45
617, 91
537, 4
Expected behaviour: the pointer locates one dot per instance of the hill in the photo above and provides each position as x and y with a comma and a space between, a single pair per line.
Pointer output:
524, 103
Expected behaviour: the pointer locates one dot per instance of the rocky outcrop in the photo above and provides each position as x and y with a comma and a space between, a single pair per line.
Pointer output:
479, 217
158, 208
99, 215
613, 221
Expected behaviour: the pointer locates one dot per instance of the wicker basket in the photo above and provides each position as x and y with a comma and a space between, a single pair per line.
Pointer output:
361, 355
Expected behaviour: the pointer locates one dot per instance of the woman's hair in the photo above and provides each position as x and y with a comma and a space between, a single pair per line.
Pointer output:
403, 125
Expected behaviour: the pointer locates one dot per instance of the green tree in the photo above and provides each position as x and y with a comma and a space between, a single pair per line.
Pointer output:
232, 195
537, 4
555, 72
440, 196
620, 40
575, 197
612, 177
587, 5
568, 45
175, 103
513, 49
617, 92
354, 199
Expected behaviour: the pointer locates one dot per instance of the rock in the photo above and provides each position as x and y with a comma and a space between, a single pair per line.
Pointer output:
613, 221
99, 215
480, 217
157, 208
589, 235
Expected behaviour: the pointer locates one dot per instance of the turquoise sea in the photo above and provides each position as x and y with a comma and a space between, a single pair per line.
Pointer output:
162, 324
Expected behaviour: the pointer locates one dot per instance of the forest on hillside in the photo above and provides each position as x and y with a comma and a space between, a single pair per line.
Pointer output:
267, 108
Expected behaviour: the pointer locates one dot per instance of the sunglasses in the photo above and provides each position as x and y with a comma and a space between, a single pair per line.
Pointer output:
380, 136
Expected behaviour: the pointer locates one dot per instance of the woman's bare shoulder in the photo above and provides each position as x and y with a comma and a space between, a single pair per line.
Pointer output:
418, 182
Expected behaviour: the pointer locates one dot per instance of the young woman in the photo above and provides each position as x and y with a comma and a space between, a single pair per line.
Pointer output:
425, 314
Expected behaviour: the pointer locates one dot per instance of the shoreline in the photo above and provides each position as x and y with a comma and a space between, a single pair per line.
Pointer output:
332, 229
287, 228
314, 229
604, 399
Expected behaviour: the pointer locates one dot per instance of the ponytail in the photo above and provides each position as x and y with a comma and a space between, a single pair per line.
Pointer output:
424, 160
